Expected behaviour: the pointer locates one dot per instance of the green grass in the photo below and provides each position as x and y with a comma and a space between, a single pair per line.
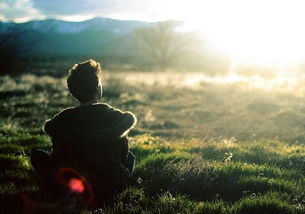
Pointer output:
211, 149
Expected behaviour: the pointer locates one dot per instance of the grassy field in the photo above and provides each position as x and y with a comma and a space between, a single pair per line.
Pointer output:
213, 148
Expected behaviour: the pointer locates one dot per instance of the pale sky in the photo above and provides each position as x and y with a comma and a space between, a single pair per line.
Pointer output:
77, 10
146, 10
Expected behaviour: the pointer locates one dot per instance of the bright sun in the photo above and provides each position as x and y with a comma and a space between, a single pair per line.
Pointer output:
257, 31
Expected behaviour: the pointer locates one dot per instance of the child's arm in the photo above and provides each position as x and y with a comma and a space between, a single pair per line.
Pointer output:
125, 149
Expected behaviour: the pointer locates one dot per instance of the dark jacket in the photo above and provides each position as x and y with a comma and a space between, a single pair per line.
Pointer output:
95, 135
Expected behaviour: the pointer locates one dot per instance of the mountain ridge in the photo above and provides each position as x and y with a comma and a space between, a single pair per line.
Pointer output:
54, 37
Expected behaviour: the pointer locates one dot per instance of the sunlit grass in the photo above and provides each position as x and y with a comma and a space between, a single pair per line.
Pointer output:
194, 176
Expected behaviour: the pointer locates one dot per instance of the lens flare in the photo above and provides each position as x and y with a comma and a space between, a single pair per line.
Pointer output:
75, 182
76, 185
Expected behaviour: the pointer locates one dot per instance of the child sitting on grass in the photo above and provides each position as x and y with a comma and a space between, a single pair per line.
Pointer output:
92, 135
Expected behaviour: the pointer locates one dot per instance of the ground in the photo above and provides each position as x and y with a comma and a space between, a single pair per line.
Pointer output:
213, 148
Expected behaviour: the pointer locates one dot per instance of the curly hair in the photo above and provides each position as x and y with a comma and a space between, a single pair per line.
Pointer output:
84, 80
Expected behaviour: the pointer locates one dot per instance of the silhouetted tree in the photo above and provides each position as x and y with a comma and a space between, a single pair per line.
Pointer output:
160, 45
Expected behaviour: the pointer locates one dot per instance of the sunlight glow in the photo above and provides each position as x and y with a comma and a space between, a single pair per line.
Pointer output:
75, 18
285, 81
252, 31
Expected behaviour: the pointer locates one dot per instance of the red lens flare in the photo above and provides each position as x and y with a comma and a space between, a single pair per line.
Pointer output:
76, 185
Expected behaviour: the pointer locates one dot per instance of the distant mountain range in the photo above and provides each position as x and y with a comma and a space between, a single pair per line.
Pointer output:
95, 37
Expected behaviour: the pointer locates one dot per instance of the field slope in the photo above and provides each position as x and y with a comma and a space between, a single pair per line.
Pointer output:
213, 149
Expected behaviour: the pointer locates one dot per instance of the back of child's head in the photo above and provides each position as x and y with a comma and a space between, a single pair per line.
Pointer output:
84, 80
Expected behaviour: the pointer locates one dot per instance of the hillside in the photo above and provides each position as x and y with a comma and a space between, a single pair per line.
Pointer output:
95, 37
199, 150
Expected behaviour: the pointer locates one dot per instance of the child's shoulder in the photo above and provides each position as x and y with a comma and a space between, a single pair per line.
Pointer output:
64, 113
115, 113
